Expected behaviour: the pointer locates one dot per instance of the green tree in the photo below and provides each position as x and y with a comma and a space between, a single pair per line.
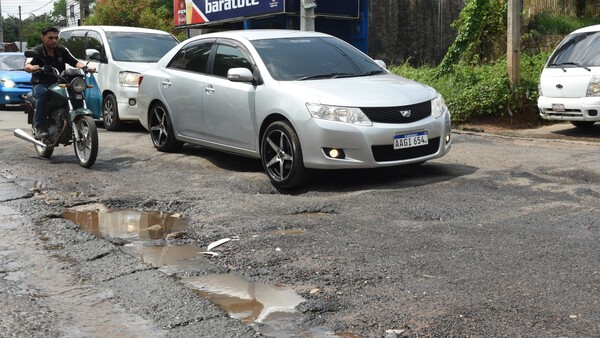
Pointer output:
481, 36
59, 13
10, 27
32, 28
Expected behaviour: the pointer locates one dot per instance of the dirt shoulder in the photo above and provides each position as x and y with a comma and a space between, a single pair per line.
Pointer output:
511, 128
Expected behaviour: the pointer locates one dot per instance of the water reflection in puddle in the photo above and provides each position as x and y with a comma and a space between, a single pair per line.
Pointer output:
271, 309
126, 224
170, 259
245, 300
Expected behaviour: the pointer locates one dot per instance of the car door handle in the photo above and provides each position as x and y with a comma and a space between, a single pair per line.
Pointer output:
209, 89
166, 83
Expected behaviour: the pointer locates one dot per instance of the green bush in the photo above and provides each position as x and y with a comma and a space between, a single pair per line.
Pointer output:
484, 91
546, 23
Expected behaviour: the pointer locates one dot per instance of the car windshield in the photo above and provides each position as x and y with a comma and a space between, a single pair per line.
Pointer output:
12, 62
312, 58
577, 50
139, 47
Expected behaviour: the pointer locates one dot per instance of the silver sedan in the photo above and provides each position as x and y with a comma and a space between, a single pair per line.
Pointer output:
296, 100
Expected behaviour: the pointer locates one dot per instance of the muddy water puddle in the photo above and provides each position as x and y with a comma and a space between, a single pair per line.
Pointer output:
270, 309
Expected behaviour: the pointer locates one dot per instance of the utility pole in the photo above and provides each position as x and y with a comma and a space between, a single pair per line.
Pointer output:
307, 15
1, 29
20, 31
513, 43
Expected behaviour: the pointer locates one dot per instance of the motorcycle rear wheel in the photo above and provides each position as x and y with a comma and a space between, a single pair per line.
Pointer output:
86, 149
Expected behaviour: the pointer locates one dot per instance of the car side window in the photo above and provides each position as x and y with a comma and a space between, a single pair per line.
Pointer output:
193, 58
228, 57
94, 41
76, 44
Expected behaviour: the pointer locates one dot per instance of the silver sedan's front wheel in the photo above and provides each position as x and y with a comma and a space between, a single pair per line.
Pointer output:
281, 156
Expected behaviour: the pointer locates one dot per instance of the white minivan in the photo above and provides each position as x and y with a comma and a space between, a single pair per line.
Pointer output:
125, 52
569, 86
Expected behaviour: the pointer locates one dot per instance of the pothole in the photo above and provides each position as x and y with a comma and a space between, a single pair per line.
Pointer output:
270, 309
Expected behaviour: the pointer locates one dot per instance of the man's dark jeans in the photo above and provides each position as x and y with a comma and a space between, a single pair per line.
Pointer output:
41, 94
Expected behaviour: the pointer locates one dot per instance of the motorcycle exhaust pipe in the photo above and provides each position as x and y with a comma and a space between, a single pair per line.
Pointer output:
24, 136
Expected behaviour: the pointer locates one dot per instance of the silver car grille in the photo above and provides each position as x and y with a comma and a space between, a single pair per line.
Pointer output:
399, 114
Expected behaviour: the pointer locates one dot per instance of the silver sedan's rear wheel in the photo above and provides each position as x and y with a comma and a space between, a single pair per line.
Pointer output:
161, 130
281, 156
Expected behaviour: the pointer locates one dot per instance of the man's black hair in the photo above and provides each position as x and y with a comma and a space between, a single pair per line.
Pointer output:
49, 29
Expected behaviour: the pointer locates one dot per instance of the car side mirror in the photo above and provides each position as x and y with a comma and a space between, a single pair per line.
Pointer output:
92, 54
381, 64
31, 53
240, 75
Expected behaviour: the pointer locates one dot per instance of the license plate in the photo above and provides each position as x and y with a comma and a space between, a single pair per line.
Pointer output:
78, 96
558, 107
410, 140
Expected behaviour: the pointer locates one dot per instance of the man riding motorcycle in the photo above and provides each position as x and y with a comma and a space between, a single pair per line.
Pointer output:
50, 54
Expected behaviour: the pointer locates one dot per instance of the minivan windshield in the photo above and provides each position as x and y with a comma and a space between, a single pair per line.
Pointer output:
139, 47
313, 58
577, 50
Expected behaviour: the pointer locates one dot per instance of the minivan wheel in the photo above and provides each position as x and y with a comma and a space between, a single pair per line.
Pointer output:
281, 156
161, 130
583, 124
110, 113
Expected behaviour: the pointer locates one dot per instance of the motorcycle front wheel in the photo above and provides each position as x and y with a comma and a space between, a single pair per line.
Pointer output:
86, 149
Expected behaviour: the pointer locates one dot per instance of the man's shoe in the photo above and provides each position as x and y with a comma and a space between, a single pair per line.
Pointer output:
40, 132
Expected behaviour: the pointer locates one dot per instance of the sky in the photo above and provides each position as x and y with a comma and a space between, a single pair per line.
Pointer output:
28, 7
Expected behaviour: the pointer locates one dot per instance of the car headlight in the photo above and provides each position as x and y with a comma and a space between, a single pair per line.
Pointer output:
593, 88
438, 105
339, 114
79, 85
8, 83
129, 79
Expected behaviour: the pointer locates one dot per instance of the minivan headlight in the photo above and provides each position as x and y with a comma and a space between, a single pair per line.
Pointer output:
593, 88
129, 79
438, 105
338, 114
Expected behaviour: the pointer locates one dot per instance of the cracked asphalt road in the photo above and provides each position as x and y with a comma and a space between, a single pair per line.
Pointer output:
498, 238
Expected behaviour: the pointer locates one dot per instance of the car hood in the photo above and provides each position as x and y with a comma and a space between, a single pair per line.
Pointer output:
387, 90
139, 67
16, 75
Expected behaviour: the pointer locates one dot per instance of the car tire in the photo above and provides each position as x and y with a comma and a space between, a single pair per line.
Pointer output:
583, 124
110, 113
161, 130
281, 156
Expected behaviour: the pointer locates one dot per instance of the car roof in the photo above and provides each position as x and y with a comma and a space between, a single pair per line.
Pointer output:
117, 29
260, 34
588, 29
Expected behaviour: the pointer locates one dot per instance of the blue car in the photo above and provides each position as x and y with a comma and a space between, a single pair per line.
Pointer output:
14, 81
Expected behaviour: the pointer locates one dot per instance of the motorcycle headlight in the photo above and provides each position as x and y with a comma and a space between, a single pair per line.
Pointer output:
339, 114
8, 83
79, 85
438, 105
129, 79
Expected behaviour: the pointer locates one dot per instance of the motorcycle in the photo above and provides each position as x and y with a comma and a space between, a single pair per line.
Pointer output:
70, 120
